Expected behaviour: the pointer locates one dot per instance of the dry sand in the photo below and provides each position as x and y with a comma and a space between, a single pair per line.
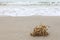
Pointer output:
19, 28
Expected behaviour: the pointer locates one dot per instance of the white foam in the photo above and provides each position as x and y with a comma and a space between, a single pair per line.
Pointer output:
29, 11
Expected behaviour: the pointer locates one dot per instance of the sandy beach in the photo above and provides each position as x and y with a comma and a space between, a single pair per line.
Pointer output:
19, 28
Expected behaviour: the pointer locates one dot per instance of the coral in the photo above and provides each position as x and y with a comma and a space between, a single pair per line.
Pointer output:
40, 30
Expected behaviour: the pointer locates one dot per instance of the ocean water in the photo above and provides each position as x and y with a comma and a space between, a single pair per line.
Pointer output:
29, 0
29, 10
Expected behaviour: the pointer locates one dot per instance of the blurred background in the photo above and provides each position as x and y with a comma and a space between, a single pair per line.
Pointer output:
29, 7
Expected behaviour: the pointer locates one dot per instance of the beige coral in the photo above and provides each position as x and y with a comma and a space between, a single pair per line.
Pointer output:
40, 30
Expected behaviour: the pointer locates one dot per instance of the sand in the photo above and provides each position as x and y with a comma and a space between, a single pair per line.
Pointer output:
19, 28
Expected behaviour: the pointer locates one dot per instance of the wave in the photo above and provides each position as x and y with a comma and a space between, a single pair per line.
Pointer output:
31, 3
29, 11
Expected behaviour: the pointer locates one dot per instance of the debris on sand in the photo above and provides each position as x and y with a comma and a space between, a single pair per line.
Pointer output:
40, 30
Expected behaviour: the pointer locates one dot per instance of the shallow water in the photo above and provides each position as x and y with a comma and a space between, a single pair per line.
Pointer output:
29, 10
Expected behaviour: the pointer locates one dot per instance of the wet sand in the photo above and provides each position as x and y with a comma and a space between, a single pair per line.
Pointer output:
19, 28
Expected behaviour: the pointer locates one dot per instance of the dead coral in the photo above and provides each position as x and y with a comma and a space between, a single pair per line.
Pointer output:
40, 30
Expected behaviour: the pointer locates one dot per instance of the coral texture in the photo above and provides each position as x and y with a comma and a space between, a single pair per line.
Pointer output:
40, 30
